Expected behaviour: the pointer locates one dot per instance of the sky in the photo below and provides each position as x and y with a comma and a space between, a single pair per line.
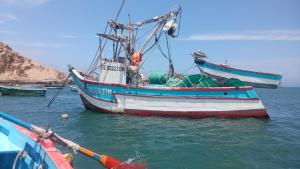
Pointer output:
252, 34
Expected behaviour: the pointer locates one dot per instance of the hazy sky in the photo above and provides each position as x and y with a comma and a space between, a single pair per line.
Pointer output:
263, 35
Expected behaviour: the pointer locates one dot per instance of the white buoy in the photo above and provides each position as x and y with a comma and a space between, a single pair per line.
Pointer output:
65, 116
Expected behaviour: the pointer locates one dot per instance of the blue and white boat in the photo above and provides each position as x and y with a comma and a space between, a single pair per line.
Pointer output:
23, 149
224, 71
27, 146
116, 85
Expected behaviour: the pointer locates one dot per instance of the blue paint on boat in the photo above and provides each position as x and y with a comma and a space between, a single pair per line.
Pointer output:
241, 72
12, 141
106, 91
17, 121
253, 78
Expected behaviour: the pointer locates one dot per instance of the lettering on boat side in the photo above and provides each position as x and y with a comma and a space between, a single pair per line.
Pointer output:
113, 68
100, 91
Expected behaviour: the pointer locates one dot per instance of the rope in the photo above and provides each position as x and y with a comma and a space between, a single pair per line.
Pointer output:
144, 60
41, 166
144, 34
162, 52
119, 11
156, 41
179, 23
95, 61
22, 154
65, 142
168, 47
95, 56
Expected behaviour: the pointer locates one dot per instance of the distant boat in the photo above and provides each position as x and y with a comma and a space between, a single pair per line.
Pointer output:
23, 91
25, 149
73, 88
224, 71
54, 86
114, 83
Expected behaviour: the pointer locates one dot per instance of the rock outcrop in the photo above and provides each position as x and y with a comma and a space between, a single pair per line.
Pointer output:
15, 68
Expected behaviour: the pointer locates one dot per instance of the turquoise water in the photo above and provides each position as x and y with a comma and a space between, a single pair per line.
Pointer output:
174, 143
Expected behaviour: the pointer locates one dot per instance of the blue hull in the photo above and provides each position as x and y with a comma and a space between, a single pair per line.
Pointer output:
255, 79
15, 140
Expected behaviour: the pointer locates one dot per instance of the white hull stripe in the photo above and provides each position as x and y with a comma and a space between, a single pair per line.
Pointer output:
168, 104
185, 105
240, 77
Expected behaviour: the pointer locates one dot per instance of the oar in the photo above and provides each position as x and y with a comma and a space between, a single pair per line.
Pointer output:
59, 90
107, 161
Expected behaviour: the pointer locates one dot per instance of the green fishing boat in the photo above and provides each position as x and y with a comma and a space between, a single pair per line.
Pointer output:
23, 91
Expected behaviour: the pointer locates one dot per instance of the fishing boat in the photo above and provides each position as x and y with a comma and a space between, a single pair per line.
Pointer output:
23, 91
54, 86
73, 88
21, 148
115, 84
223, 72
27, 146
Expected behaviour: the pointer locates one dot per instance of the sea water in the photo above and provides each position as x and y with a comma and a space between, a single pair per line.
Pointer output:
173, 143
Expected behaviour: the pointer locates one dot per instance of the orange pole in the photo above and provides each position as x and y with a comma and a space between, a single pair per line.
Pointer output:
107, 161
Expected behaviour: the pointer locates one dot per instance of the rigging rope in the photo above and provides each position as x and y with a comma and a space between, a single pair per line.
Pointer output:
22, 154
156, 41
162, 52
151, 47
179, 23
95, 56
94, 62
168, 47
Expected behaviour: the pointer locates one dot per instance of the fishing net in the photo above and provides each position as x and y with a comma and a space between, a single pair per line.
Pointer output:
196, 80
159, 78
174, 82
235, 83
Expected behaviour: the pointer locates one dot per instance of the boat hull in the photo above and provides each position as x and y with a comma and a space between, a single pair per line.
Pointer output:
170, 102
255, 79
260, 84
14, 139
191, 107
12, 91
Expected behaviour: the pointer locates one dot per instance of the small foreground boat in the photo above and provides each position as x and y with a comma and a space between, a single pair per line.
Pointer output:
21, 148
223, 72
27, 146
22, 91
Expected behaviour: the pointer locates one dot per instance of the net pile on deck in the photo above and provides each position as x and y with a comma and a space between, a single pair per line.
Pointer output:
195, 80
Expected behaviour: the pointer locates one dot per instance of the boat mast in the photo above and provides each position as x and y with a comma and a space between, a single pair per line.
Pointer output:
102, 47
127, 42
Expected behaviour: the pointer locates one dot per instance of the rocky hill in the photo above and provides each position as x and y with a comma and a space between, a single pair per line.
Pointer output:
15, 68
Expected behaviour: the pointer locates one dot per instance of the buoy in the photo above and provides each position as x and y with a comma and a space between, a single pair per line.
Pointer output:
136, 58
65, 116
